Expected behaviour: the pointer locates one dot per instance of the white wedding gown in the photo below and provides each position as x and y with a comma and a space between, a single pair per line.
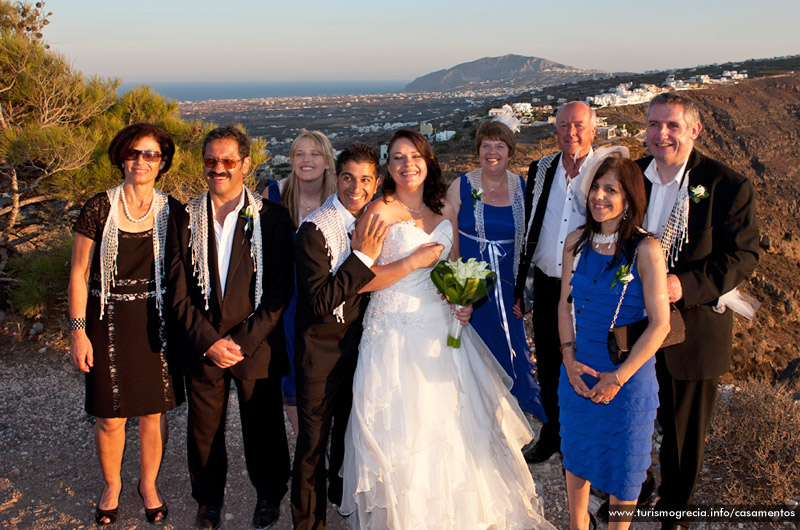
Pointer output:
434, 438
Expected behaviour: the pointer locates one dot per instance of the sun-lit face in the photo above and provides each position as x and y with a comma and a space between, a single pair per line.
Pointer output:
493, 156
575, 130
607, 199
407, 165
308, 161
139, 171
670, 138
225, 183
356, 184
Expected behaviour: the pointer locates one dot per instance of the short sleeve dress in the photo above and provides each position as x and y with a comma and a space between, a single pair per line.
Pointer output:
131, 375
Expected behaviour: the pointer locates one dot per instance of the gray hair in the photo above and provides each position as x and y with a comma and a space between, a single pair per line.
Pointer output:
691, 113
564, 106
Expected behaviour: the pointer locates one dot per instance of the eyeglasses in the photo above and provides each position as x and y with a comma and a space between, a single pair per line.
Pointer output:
211, 163
147, 155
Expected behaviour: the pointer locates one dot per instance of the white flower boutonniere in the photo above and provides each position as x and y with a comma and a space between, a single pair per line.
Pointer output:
623, 275
247, 215
477, 195
698, 193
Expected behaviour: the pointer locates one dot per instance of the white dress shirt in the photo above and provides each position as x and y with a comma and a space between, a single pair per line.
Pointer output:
662, 199
349, 221
561, 217
223, 233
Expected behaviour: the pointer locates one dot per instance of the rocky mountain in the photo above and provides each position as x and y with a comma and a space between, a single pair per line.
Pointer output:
508, 71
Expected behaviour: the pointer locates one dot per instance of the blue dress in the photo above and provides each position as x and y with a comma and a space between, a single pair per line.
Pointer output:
288, 385
486, 318
608, 445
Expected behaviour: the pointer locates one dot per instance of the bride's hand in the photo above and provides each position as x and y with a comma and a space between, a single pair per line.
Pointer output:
463, 314
426, 255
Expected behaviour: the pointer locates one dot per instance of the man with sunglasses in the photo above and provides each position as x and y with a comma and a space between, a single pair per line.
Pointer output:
230, 277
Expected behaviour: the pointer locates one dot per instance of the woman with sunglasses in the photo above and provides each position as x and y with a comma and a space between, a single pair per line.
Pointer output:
117, 314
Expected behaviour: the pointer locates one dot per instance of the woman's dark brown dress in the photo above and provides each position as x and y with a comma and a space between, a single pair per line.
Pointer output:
131, 375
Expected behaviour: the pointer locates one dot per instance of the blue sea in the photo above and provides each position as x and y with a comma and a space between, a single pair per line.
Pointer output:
199, 91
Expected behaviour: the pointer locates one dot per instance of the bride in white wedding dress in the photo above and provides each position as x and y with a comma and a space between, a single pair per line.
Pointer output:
434, 437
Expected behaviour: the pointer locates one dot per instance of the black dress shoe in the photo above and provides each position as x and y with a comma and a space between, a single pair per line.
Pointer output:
266, 514
207, 517
541, 451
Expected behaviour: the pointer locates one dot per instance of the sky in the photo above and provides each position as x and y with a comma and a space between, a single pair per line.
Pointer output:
149, 41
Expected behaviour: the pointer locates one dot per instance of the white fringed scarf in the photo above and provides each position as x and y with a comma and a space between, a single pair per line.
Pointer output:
329, 222
109, 245
676, 231
197, 209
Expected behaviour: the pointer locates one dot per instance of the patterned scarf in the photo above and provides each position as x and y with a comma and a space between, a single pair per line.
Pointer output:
109, 245
328, 221
197, 209
676, 231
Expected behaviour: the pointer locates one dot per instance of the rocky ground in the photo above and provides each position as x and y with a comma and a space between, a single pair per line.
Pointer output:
50, 479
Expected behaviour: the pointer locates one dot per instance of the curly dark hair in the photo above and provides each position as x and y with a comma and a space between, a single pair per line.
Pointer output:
118, 148
631, 180
229, 132
433, 189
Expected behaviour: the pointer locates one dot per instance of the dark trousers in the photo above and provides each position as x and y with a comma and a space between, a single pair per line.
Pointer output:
684, 413
546, 293
323, 409
266, 450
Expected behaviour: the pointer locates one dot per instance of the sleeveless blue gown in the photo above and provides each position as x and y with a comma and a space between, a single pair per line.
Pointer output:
288, 385
486, 318
608, 445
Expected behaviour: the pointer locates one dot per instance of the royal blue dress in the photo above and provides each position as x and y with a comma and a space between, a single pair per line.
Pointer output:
288, 385
608, 445
486, 318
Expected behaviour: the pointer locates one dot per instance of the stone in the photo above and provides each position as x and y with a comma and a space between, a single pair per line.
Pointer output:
14, 473
766, 243
791, 374
36, 329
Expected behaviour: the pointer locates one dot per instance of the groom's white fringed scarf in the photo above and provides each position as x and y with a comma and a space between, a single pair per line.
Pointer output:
329, 222
197, 209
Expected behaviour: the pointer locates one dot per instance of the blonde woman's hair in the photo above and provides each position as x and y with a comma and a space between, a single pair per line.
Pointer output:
290, 195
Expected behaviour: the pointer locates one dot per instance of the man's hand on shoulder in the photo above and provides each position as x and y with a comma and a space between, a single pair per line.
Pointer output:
674, 288
224, 353
368, 237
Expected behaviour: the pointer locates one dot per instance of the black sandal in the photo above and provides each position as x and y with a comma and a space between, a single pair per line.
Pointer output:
111, 515
592, 522
152, 513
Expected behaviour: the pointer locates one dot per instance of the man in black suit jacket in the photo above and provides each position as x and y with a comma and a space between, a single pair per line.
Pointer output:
230, 278
704, 213
552, 182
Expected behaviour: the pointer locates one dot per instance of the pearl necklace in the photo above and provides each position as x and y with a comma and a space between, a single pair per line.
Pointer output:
604, 239
128, 213
418, 212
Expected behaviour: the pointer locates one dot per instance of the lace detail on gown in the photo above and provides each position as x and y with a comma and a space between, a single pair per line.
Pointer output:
434, 438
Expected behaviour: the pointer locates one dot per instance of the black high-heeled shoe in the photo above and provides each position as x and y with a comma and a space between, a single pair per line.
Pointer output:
151, 514
111, 515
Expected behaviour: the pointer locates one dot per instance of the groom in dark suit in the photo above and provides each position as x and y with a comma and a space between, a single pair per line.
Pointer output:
331, 269
704, 214
230, 278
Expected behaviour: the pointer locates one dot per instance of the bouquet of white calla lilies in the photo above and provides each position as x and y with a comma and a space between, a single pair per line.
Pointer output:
462, 283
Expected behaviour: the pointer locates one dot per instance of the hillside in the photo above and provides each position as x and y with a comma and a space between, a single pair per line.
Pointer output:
508, 71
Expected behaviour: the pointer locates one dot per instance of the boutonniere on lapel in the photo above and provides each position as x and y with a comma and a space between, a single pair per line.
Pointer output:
623, 275
477, 195
698, 193
247, 215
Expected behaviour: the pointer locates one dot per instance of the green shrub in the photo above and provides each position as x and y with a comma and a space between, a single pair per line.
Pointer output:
43, 278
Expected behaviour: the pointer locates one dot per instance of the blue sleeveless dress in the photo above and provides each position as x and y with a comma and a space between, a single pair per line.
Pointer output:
486, 318
288, 385
608, 445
